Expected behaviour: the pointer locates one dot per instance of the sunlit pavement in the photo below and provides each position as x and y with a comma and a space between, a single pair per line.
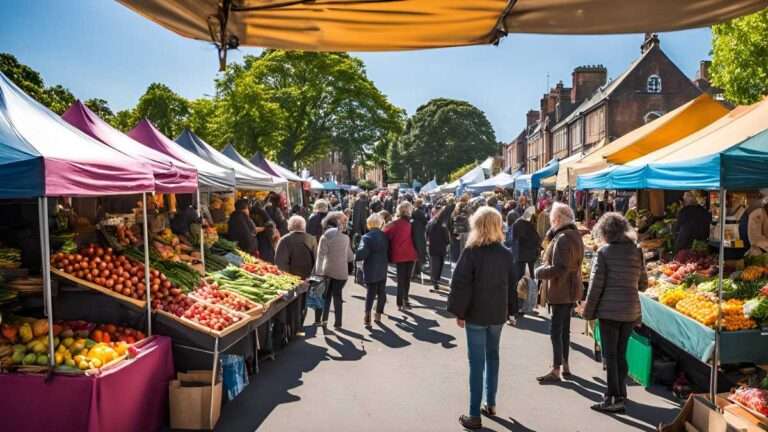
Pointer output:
409, 373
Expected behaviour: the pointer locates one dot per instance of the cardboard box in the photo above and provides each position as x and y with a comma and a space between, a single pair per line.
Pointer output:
742, 419
698, 414
190, 401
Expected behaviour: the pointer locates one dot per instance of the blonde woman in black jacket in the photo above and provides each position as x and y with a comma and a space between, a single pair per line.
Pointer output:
618, 275
480, 285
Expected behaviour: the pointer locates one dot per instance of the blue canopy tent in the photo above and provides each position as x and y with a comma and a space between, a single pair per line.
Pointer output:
429, 187
21, 166
731, 166
245, 177
533, 181
501, 180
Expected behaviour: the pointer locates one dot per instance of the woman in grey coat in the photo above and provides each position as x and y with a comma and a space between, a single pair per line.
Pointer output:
618, 275
333, 256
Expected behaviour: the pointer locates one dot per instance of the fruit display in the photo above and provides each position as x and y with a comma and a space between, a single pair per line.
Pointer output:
752, 273
178, 273
757, 308
10, 258
211, 316
211, 293
678, 271
672, 296
732, 289
753, 398
127, 236
260, 289
103, 267
589, 242
246, 257
78, 345
261, 268
734, 318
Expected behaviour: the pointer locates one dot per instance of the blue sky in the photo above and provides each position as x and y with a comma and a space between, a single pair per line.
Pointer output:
98, 48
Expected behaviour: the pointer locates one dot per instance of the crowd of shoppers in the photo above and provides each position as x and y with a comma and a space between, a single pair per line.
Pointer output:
495, 244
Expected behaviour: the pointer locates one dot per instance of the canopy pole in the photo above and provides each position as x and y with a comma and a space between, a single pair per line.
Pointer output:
46, 270
718, 326
202, 231
147, 286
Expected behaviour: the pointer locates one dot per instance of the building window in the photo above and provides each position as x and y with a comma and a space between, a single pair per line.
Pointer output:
654, 84
651, 116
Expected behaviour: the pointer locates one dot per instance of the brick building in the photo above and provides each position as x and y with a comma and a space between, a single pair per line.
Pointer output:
595, 111
331, 167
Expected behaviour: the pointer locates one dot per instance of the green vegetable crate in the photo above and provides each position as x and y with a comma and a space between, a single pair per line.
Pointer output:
639, 356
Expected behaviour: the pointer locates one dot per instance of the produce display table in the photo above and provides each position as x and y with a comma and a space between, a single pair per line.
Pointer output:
699, 340
133, 396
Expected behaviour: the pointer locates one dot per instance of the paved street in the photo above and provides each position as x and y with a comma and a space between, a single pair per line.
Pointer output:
409, 374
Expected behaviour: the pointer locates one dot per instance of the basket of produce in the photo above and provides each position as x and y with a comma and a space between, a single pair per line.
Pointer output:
26, 285
10, 258
209, 319
210, 293
263, 289
80, 347
754, 400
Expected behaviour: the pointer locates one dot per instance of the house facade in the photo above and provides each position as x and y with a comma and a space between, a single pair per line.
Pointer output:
594, 111
331, 167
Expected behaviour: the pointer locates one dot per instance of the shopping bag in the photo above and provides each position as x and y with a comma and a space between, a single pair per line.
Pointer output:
235, 377
316, 293
359, 279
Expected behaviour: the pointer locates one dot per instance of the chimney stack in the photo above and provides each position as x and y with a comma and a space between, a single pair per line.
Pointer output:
587, 79
651, 40
531, 117
703, 72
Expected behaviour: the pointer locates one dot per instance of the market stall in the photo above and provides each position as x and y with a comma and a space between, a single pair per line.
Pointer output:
35, 352
499, 181
245, 177
709, 307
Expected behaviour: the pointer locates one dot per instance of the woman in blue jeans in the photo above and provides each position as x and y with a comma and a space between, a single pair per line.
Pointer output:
479, 289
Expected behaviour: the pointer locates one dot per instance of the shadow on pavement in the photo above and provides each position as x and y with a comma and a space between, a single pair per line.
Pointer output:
438, 305
279, 377
537, 325
511, 424
384, 334
345, 347
422, 329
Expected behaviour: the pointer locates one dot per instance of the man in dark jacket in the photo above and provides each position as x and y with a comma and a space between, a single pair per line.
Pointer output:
693, 223
315, 222
268, 233
275, 211
419, 233
360, 214
525, 247
241, 228
438, 239
374, 252
296, 251
561, 274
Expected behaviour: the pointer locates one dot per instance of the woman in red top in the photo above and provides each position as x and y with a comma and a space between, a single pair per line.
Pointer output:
402, 251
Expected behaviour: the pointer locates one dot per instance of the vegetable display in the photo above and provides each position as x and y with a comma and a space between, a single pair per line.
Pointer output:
260, 289
752, 398
179, 273
228, 299
10, 258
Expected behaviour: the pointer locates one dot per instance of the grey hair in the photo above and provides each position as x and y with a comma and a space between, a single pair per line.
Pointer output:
565, 213
297, 223
404, 209
334, 217
612, 227
321, 205
375, 221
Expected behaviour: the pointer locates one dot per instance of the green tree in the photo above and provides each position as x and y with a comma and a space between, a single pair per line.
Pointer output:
203, 120
300, 105
26, 78
124, 120
101, 108
366, 184
395, 162
443, 135
166, 109
58, 98
740, 57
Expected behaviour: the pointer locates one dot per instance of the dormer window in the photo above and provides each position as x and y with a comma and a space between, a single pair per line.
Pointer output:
654, 84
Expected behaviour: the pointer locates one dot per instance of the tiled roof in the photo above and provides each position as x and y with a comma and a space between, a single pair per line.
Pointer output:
601, 93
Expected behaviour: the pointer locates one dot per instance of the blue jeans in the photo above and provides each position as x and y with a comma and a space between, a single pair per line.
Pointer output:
483, 350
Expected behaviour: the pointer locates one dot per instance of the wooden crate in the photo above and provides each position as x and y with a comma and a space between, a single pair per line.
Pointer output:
245, 319
82, 282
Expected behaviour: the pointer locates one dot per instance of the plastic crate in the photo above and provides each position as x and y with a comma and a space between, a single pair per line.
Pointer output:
639, 356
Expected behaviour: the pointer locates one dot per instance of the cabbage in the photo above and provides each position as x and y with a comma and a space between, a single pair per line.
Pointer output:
757, 308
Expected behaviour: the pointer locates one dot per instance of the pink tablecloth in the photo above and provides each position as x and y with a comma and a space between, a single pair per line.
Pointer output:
130, 397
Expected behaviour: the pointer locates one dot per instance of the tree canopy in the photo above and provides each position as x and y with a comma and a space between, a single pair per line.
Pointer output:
443, 135
300, 105
740, 57
166, 109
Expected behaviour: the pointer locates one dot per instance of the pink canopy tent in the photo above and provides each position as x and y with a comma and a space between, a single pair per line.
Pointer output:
210, 177
171, 176
74, 164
